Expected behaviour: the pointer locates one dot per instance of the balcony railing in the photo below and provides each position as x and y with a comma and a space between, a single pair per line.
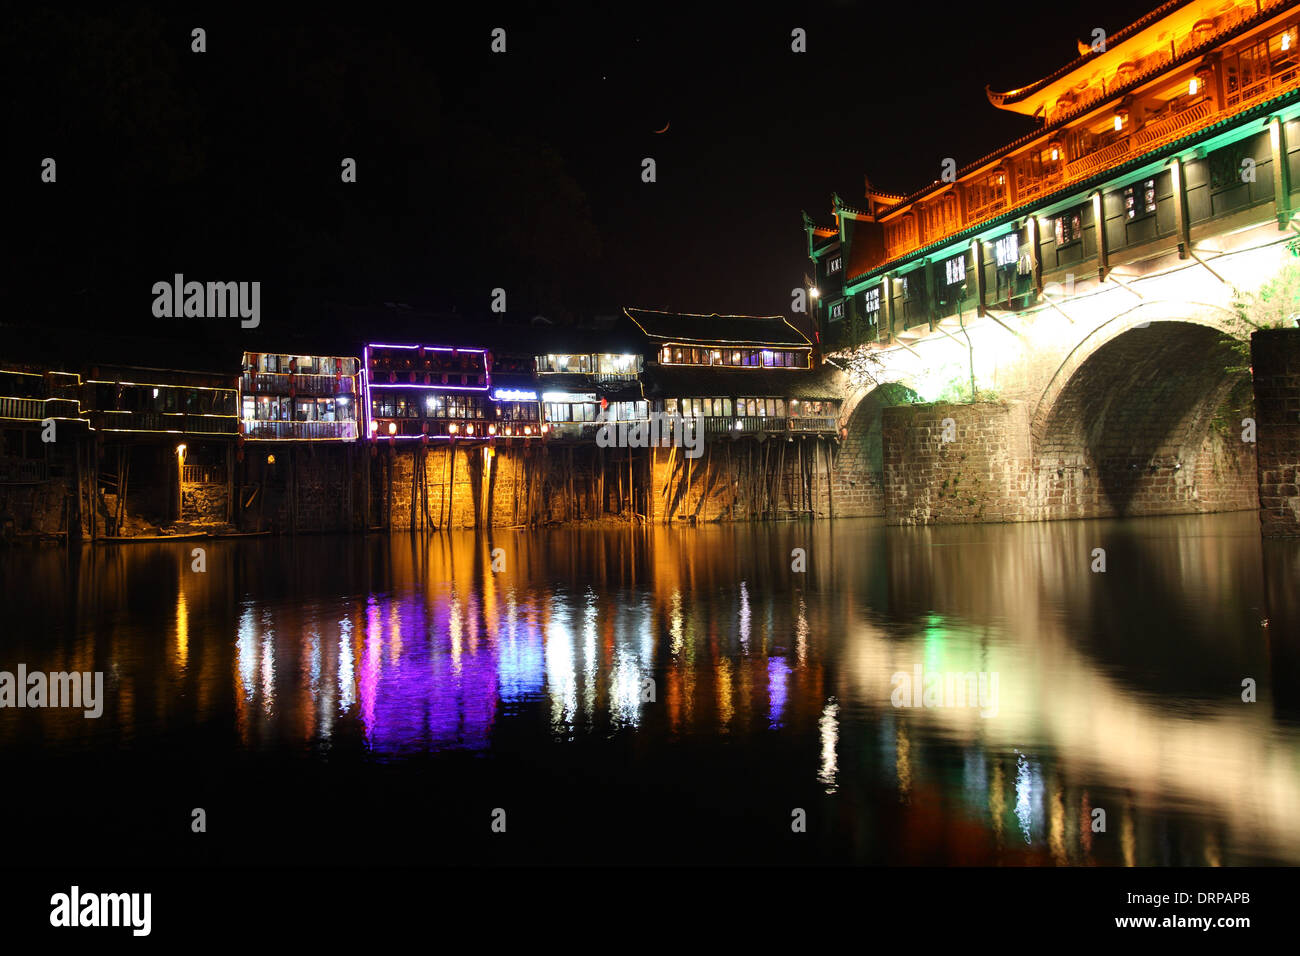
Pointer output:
766, 424
20, 470
203, 475
713, 426
38, 409
289, 431
172, 422
277, 383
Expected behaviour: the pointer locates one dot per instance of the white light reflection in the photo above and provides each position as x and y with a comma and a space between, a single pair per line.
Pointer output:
246, 654
625, 689
1024, 790
828, 726
744, 617
347, 674
559, 670
801, 634
675, 622
589, 659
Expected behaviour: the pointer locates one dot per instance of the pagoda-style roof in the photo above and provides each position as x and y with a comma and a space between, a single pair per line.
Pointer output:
1175, 18
1138, 39
693, 327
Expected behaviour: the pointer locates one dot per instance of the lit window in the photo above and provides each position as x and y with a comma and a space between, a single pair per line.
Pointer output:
837, 311
834, 264
1068, 228
956, 270
1140, 200
871, 305
1007, 250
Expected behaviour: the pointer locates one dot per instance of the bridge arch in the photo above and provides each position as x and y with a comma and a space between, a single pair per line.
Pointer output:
1144, 417
859, 461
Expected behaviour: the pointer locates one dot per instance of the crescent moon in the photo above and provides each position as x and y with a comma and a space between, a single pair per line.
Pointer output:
665, 129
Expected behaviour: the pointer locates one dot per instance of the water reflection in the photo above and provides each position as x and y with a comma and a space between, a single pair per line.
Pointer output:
1117, 692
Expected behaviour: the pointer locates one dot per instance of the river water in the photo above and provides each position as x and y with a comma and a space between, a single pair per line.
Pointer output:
666, 695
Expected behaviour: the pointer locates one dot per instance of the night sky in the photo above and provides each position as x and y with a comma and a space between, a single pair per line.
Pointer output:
478, 170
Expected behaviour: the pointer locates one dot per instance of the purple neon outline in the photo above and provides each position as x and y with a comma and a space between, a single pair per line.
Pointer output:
368, 387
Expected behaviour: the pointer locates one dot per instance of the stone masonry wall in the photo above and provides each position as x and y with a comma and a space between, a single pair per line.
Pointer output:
1275, 360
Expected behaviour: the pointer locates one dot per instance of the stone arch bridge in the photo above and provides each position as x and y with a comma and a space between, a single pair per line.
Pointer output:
1120, 396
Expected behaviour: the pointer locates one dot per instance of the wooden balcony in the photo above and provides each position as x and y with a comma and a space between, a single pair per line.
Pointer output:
203, 475
18, 471
767, 425
1150, 138
254, 430
39, 409
713, 426
180, 423
279, 383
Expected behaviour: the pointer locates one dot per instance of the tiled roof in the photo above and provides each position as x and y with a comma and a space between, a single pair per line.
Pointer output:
689, 327
669, 381
1190, 53
1112, 39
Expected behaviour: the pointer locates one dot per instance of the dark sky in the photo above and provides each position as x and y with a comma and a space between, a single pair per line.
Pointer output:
479, 170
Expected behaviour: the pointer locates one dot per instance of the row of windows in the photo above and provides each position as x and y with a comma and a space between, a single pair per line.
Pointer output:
297, 410
592, 412
428, 406
572, 411
517, 411
751, 407
299, 364
160, 398
603, 363
744, 358
418, 360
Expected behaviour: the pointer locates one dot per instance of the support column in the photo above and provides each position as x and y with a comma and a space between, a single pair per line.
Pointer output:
1036, 244
1103, 244
1275, 362
1281, 172
1181, 224
977, 247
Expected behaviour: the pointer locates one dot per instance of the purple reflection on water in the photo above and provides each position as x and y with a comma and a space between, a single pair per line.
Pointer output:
778, 689
423, 686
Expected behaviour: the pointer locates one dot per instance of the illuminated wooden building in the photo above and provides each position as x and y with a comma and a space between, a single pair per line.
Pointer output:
298, 397
427, 392
1184, 126
590, 376
164, 445
31, 401
742, 375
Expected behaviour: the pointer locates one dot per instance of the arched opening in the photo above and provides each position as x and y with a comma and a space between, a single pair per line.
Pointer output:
860, 462
1149, 423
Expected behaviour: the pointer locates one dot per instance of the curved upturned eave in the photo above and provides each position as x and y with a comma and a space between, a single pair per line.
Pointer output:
1002, 100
